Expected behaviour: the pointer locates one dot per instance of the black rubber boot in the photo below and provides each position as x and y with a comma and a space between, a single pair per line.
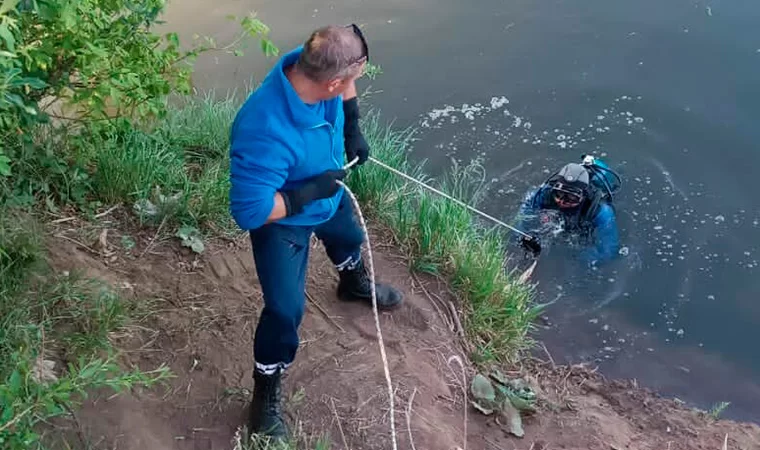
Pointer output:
266, 410
355, 285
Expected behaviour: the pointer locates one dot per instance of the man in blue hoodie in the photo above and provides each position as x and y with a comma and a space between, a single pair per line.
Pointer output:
287, 153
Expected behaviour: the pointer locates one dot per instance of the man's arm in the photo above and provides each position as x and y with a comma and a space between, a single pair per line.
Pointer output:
527, 210
607, 236
258, 169
350, 91
355, 144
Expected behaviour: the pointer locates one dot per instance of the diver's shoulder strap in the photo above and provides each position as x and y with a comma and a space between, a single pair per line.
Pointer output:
591, 207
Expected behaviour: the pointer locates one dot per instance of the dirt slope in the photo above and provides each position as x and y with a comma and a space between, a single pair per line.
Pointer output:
205, 311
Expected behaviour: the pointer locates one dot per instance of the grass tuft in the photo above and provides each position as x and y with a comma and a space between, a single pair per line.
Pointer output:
181, 167
299, 440
718, 409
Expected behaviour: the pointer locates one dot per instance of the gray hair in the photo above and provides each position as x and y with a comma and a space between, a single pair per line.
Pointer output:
331, 53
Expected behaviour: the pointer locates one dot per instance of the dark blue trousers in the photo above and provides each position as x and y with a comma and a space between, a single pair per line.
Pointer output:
281, 253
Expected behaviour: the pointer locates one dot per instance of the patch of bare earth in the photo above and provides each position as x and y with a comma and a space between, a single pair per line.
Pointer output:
205, 311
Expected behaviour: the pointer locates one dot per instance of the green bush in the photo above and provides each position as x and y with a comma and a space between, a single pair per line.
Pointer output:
87, 65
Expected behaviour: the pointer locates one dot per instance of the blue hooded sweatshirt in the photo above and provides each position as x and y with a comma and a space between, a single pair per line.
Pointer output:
276, 143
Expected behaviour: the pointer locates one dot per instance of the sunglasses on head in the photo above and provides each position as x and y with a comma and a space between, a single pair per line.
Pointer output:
365, 49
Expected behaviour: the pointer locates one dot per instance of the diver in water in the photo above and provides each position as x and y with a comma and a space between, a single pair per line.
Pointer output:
580, 196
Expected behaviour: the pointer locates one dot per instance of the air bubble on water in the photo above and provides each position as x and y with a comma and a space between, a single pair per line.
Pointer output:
680, 332
498, 102
623, 251
711, 297
601, 117
720, 219
638, 119
658, 227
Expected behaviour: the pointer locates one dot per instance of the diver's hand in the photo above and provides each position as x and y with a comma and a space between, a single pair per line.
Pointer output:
531, 243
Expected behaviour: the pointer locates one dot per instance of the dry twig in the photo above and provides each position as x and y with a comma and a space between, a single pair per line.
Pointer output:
324, 312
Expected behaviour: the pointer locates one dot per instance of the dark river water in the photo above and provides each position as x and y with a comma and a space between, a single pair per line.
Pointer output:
667, 92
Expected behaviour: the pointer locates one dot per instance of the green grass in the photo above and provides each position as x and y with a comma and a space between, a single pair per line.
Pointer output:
443, 238
181, 166
54, 337
298, 442
718, 409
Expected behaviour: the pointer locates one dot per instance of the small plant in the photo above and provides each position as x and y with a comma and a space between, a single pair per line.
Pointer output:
127, 242
191, 237
717, 410
372, 71
504, 396
243, 441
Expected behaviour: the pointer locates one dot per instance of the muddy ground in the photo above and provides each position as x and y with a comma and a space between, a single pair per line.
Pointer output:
204, 312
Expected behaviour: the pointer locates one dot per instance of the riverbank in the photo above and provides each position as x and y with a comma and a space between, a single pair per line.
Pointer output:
162, 292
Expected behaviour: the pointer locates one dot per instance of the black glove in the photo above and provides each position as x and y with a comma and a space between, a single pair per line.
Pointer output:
531, 244
355, 143
322, 186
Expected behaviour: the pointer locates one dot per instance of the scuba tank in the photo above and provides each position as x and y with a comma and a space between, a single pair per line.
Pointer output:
602, 177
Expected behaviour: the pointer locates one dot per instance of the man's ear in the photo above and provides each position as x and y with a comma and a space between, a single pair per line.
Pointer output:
334, 85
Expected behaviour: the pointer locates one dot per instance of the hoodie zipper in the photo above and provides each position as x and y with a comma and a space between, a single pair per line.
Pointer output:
331, 130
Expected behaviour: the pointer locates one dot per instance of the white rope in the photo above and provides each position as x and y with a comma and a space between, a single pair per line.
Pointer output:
384, 357
455, 200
